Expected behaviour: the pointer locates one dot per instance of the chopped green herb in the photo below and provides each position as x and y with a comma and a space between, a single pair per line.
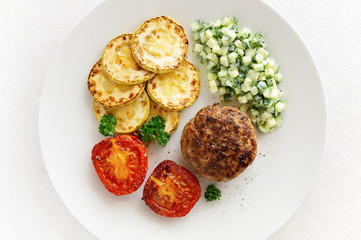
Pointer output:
227, 97
107, 125
212, 193
154, 130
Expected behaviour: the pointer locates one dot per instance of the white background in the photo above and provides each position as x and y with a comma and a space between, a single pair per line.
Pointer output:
30, 33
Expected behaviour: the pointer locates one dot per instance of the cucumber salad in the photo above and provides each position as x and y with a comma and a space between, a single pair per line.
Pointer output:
239, 68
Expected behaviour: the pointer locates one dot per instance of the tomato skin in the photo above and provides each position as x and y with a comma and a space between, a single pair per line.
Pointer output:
171, 190
121, 163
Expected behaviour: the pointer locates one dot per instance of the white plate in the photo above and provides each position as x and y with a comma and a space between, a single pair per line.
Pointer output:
256, 203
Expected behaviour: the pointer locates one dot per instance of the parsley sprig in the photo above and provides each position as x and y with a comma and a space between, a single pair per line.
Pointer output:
154, 130
212, 193
107, 125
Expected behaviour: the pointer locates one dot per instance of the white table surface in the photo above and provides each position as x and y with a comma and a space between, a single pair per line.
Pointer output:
32, 30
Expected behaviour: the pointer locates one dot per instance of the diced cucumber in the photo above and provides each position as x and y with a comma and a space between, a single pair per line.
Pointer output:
222, 74
265, 115
240, 79
242, 99
244, 107
223, 61
240, 52
195, 36
224, 30
250, 52
247, 60
269, 72
203, 38
249, 96
253, 75
198, 25
270, 123
213, 57
246, 43
259, 59
231, 48
232, 66
222, 90
238, 65
208, 33
216, 48
223, 50
261, 86
280, 106
198, 47
239, 44
207, 49
263, 129
237, 90
232, 57
217, 23
229, 82
210, 65
226, 21
212, 76
279, 121
213, 86
246, 87
232, 35
261, 76
268, 102
267, 93
274, 93
257, 67
263, 52
243, 69
257, 101
270, 82
234, 73
254, 90
245, 33
278, 77
211, 42
257, 40
272, 65
254, 113
226, 40
202, 55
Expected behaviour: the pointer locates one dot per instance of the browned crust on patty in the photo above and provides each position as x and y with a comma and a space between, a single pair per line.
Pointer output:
219, 142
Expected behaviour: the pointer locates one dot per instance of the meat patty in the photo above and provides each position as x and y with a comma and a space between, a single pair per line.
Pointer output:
219, 142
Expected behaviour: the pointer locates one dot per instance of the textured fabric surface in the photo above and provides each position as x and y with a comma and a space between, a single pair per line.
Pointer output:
30, 33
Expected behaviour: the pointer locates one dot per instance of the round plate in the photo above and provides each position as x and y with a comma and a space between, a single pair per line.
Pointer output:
256, 203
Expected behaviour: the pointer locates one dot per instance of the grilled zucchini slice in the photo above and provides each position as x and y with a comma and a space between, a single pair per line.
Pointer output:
129, 117
108, 92
171, 117
175, 90
159, 44
119, 63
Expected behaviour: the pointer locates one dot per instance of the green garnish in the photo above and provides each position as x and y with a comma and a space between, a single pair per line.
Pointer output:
212, 193
107, 125
154, 130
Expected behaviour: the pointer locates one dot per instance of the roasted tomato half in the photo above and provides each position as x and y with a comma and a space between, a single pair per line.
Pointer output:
171, 190
121, 163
